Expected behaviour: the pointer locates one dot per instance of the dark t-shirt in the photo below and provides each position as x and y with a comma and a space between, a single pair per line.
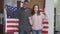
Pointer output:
24, 19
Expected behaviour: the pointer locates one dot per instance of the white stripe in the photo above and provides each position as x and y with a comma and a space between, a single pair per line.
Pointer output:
12, 24
45, 25
14, 28
12, 19
45, 29
45, 20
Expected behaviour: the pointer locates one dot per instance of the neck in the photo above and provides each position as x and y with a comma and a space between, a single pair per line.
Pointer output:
36, 12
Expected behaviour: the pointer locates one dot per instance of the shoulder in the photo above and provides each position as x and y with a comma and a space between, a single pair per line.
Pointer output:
28, 9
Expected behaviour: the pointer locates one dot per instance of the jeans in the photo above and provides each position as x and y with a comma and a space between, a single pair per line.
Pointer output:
24, 32
36, 31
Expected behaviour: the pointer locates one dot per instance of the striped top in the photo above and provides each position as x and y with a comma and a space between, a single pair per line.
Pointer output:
36, 21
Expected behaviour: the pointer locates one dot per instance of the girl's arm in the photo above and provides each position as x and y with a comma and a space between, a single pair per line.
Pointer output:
30, 20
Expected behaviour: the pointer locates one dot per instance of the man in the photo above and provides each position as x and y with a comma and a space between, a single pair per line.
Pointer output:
24, 25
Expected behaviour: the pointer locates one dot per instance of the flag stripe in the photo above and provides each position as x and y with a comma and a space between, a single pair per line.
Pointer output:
12, 26
18, 31
45, 27
12, 21
13, 30
45, 32
45, 22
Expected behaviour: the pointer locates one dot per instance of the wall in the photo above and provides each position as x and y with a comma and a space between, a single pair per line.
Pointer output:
50, 12
39, 2
11, 2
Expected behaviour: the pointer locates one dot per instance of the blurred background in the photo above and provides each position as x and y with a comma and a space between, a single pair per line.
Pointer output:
57, 15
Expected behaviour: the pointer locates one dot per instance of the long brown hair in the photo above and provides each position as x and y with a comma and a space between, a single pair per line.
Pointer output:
33, 12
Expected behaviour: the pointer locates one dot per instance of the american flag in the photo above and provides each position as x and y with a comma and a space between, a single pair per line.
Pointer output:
45, 25
12, 23
11, 8
45, 22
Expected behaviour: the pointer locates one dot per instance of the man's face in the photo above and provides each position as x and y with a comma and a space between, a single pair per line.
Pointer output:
25, 4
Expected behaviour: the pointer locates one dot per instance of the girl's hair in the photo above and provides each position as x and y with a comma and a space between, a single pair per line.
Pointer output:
33, 12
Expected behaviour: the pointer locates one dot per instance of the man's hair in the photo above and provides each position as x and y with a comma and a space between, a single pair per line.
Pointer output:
26, 1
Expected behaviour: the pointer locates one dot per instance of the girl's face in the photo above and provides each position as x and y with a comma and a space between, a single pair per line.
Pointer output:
35, 8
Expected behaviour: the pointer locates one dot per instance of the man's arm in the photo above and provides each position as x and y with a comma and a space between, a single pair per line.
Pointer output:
30, 20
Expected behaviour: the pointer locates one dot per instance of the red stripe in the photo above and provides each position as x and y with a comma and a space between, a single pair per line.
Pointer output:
12, 21
18, 31
44, 31
45, 26
11, 26
45, 22
17, 26
12, 31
